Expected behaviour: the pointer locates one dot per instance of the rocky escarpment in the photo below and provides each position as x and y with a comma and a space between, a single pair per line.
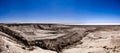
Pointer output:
43, 38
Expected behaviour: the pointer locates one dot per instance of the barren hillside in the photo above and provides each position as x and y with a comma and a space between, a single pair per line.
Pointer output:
59, 38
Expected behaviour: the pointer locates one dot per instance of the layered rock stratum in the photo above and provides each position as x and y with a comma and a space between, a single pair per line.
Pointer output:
59, 38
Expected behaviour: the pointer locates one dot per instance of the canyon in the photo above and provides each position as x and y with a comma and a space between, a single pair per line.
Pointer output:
59, 38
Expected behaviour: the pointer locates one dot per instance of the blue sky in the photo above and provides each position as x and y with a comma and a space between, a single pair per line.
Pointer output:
60, 11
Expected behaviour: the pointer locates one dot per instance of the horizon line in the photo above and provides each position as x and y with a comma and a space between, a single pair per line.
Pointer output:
60, 23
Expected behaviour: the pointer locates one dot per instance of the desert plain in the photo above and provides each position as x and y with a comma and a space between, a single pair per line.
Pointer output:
59, 38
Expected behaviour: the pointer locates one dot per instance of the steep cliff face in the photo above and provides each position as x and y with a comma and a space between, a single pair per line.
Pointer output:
56, 38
